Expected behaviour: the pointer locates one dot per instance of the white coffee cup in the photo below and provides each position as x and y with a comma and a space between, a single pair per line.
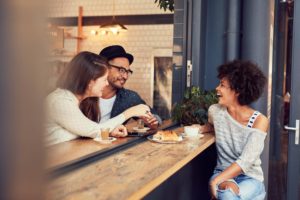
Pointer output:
191, 130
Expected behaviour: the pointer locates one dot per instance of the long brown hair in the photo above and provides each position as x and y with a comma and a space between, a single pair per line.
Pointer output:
90, 108
83, 68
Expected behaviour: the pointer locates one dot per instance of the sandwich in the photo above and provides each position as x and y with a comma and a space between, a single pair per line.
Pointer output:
166, 136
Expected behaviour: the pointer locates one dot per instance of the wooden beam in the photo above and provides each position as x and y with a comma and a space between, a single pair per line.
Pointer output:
79, 27
124, 19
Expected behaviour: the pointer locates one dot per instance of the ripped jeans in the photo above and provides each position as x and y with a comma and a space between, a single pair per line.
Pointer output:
249, 188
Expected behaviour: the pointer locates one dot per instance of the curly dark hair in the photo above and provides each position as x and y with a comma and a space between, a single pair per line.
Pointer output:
244, 78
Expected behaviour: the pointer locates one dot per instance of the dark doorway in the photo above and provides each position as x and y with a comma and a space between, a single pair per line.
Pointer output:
278, 168
163, 86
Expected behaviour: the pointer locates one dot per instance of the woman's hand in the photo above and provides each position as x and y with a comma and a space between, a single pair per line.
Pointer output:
140, 110
150, 121
213, 189
119, 131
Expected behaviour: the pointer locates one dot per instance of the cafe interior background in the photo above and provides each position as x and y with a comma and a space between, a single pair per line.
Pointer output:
148, 37
172, 50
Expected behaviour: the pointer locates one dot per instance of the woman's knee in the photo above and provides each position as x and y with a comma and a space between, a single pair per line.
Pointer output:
252, 189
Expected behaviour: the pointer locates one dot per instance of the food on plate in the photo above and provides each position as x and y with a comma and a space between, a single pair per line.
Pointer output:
166, 136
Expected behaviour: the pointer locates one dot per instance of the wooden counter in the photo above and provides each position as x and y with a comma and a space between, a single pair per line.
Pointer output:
70, 152
128, 174
67, 153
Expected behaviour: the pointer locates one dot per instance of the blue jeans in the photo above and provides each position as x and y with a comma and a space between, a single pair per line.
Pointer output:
249, 188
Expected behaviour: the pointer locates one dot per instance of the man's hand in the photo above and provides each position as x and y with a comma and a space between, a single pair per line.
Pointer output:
150, 121
120, 131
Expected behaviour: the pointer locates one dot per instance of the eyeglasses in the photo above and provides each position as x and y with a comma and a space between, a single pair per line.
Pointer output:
123, 70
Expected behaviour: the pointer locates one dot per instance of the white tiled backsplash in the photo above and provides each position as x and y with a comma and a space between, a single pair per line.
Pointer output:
140, 40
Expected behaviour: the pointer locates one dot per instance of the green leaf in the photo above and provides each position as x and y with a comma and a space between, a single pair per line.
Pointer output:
165, 4
194, 106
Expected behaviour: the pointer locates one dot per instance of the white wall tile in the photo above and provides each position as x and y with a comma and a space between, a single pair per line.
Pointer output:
139, 40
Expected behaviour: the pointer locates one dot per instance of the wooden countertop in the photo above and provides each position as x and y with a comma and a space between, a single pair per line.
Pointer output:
69, 152
128, 174
65, 153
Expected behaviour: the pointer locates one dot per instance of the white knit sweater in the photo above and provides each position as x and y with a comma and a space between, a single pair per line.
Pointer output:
237, 143
65, 121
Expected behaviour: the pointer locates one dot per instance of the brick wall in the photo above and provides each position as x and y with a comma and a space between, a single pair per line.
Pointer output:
140, 40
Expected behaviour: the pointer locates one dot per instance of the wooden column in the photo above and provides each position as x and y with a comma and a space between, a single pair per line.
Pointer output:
79, 27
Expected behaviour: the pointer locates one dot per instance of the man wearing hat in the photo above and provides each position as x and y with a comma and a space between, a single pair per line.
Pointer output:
115, 98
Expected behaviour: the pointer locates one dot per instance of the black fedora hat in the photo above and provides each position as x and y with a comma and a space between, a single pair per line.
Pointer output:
115, 51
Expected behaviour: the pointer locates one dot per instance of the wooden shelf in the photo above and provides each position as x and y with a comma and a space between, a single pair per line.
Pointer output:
59, 51
75, 37
63, 55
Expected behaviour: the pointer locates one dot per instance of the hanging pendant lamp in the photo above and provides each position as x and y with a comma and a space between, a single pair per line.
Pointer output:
114, 26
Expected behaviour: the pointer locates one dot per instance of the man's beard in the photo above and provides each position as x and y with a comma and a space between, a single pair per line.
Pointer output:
113, 81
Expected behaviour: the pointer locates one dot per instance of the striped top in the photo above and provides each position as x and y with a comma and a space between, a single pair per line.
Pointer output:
237, 143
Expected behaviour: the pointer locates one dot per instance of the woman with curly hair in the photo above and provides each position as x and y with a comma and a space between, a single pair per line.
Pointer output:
240, 132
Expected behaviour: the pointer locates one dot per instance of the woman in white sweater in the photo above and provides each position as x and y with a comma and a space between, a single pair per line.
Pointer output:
240, 132
84, 77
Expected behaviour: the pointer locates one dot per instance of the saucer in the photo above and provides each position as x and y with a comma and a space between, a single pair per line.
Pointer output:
158, 140
200, 135
110, 140
140, 130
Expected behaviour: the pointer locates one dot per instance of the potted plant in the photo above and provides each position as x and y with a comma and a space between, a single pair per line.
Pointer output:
166, 4
194, 106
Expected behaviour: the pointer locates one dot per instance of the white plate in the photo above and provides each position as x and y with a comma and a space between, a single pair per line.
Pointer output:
200, 135
110, 140
153, 139
141, 130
